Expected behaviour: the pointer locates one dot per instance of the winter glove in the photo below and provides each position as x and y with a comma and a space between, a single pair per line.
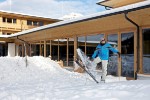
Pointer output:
92, 59
118, 54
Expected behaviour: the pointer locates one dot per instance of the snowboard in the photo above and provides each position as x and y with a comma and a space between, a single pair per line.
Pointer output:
84, 62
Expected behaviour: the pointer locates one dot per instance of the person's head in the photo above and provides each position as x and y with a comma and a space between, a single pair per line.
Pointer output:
102, 41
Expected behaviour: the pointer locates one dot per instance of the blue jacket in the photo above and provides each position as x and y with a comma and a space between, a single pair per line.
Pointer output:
103, 51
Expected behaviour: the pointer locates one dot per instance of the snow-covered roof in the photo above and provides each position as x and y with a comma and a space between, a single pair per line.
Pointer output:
23, 14
4, 36
131, 7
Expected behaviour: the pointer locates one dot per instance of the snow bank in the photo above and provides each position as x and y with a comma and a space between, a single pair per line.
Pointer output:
14, 70
44, 79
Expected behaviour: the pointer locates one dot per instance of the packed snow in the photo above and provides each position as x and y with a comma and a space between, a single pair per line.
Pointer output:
39, 78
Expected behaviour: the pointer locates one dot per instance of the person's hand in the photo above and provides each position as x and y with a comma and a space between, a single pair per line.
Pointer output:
119, 54
92, 59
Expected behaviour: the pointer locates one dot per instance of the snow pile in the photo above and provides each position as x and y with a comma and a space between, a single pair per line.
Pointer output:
44, 79
14, 70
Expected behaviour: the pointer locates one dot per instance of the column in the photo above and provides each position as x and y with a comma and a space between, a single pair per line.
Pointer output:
11, 49
119, 58
44, 48
75, 47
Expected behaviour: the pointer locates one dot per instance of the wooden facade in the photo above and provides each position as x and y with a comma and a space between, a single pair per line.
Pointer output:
14, 22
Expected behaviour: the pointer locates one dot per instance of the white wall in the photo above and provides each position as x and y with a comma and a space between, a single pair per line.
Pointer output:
11, 49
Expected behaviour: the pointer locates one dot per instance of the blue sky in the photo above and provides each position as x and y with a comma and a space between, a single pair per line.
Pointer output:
51, 8
2, 0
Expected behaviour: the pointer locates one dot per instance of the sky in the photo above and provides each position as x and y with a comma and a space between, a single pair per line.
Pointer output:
51, 8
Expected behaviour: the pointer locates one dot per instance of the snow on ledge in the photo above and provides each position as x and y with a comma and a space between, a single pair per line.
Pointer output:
143, 77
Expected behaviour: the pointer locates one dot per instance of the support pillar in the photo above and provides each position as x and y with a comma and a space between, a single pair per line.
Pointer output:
141, 51
40, 49
119, 58
44, 48
51, 48
75, 47
22, 50
135, 53
85, 43
67, 51
58, 50
11, 49
17, 50
30, 49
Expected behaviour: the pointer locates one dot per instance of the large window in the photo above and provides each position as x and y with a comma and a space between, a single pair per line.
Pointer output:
9, 20
34, 23
113, 59
71, 51
54, 49
41, 23
81, 43
63, 50
91, 44
3, 49
29, 22
35, 49
146, 51
4, 19
127, 51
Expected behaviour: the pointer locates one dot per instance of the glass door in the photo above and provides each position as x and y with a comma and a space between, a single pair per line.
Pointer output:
112, 39
127, 54
146, 51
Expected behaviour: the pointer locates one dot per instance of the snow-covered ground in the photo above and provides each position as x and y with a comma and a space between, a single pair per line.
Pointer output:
44, 79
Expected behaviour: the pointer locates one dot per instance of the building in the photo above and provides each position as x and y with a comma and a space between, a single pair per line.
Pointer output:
127, 25
11, 23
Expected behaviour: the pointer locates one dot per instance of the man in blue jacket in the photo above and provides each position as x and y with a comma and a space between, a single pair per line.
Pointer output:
101, 54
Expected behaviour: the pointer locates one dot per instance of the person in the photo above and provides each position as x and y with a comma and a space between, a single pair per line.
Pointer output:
101, 54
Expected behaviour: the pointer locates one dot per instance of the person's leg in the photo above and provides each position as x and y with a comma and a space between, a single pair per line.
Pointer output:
96, 61
104, 69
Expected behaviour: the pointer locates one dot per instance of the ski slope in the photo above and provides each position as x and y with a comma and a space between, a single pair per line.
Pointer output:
44, 79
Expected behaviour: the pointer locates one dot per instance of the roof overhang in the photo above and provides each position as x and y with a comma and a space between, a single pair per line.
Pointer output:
117, 3
94, 24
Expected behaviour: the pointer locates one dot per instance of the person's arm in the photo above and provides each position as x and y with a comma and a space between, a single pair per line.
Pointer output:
114, 50
95, 52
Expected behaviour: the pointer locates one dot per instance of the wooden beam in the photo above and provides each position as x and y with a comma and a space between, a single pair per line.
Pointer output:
135, 52
44, 48
67, 51
6, 40
40, 49
119, 59
58, 51
141, 51
85, 43
22, 50
75, 47
30, 49
51, 48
